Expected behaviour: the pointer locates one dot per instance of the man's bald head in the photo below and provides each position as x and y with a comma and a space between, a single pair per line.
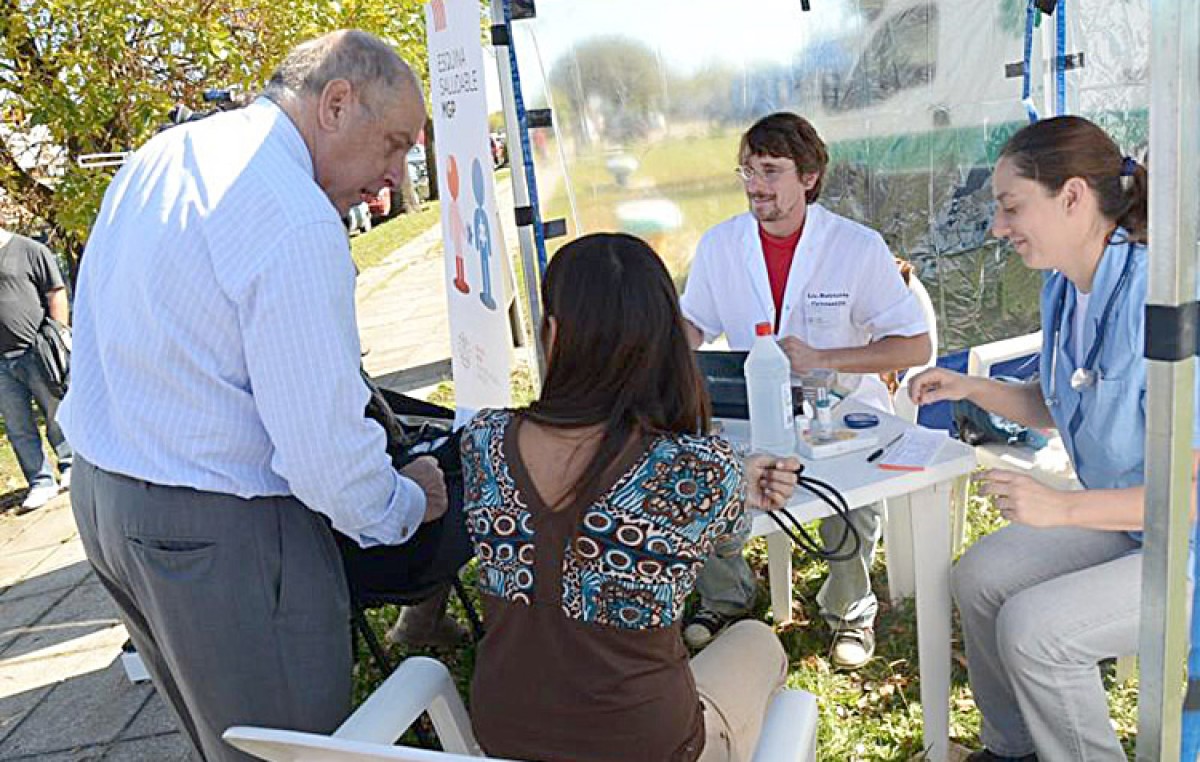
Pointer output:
368, 63
358, 107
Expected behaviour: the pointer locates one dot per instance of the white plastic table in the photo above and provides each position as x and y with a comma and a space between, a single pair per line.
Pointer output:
917, 534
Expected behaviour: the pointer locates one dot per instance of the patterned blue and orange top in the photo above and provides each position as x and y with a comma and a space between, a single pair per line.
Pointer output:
582, 659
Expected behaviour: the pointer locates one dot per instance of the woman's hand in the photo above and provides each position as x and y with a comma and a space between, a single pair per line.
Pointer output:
1024, 500
770, 480
938, 384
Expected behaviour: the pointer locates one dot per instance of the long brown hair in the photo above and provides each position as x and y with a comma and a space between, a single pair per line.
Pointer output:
620, 354
1052, 151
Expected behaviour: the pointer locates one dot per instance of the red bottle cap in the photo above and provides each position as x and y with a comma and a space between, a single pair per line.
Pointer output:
762, 329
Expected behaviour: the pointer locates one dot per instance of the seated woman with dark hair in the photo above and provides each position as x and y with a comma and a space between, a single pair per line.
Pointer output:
592, 511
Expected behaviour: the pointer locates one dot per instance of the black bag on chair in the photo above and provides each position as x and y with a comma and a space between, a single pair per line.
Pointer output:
438, 549
52, 344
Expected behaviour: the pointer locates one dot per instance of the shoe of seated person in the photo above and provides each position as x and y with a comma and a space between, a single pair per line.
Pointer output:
983, 755
703, 625
427, 625
853, 648
64, 480
37, 497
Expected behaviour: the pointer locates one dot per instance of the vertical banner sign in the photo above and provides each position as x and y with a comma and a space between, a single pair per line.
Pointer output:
475, 252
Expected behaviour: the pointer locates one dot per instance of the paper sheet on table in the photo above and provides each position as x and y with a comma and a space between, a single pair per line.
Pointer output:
915, 450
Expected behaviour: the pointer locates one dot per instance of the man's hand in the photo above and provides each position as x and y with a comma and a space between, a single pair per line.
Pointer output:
937, 384
802, 356
1023, 500
428, 476
770, 480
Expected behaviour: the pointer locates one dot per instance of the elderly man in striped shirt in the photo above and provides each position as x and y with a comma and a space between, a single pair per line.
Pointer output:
216, 405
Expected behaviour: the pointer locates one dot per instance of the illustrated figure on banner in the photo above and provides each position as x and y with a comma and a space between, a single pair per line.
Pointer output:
482, 231
457, 229
439, 15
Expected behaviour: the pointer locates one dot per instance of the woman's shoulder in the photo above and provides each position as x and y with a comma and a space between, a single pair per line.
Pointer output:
487, 425
707, 447
489, 418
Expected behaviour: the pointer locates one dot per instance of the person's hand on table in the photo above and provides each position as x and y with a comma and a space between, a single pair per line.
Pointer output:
1023, 500
770, 480
800, 355
428, 476
938, 384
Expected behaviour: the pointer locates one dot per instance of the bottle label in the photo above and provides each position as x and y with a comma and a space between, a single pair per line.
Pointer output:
789, 421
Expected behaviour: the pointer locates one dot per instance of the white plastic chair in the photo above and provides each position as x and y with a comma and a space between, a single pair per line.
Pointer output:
1050, 465
421, 684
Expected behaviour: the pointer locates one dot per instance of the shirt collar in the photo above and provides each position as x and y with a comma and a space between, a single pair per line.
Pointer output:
1108, 272
283, 127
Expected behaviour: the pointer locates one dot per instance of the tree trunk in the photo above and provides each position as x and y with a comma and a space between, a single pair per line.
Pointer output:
431, 160
404, 197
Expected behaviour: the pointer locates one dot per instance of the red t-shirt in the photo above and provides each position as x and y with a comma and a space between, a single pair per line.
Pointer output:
778, 253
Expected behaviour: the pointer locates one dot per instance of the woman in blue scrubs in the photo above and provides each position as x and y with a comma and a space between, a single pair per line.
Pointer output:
1046, 598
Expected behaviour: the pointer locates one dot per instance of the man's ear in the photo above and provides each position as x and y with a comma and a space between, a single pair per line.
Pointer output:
333, 108
808, 180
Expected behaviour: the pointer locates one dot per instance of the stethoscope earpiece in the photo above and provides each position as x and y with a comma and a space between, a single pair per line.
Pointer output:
1083, 378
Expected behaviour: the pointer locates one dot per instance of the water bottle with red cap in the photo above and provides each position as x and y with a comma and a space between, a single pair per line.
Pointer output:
768, 389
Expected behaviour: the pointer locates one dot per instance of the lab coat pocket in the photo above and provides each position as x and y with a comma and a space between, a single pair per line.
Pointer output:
827, 326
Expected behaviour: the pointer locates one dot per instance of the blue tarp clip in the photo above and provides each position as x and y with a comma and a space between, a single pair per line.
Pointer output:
539, 237
1060, 59
1031, 21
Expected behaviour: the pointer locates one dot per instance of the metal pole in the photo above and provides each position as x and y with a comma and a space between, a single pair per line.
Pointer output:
518, 160
1172, 281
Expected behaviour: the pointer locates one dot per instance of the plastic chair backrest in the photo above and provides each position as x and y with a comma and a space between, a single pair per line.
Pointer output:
422, 685
900, 402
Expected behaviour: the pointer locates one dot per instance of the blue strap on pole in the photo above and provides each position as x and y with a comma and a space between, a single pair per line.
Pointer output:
539, 237
1060, 58
1031, 20
1190, 740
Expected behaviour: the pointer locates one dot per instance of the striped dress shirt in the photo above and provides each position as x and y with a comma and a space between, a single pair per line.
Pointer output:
215, 339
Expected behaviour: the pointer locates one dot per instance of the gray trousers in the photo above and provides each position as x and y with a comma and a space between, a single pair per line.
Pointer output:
727, 585
1040, 609
239, 608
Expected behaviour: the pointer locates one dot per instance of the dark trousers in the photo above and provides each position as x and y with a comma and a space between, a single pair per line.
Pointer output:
238, 607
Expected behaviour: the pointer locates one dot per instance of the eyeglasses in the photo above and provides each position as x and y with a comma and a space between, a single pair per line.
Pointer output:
770, 175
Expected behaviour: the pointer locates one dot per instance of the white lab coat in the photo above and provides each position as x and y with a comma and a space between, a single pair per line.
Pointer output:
843, 290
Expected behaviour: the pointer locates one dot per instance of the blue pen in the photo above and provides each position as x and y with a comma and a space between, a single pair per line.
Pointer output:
876, 455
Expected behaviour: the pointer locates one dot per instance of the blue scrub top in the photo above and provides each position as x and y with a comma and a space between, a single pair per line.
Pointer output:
1108, 439
1107, 442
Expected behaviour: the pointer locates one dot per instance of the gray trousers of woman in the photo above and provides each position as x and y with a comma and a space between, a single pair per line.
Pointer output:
1040, 609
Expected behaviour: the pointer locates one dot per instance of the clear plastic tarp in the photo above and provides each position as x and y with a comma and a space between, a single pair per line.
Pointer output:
913, 97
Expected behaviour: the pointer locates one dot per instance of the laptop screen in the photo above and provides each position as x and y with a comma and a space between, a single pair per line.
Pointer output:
725, 378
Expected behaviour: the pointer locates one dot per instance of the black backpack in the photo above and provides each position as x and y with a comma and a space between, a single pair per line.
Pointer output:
438, 549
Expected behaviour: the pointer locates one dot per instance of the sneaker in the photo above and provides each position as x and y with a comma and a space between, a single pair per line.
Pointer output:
64, 480
853, 648
702, 626
983, 755
37, 497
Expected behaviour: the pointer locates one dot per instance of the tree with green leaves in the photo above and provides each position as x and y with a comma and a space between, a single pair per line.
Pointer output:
81, 77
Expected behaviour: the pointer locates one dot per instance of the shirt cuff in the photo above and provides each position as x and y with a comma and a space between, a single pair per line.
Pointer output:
400, 521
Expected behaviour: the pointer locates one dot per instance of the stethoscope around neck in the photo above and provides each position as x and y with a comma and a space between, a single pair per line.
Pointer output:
1086, 376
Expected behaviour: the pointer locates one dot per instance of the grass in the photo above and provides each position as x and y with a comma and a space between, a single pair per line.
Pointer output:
372, 247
